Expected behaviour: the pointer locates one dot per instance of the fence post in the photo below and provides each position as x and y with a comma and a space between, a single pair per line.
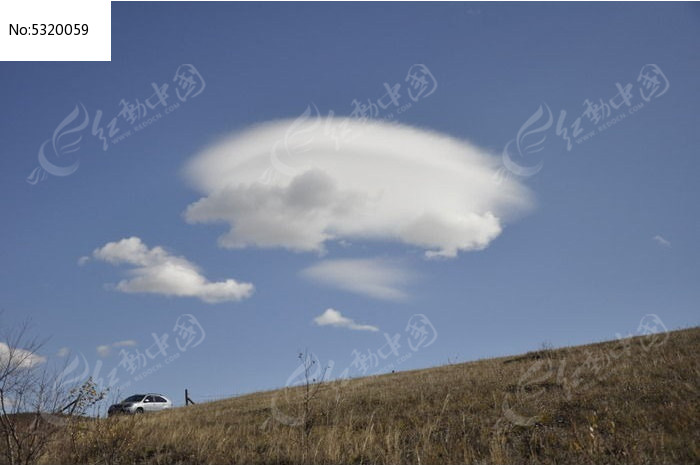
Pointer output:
188, 401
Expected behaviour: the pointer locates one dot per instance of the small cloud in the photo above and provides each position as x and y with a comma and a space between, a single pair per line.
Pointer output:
125, 343
156, 271
63, 352
106, 349
332, 317
83, 260
373, 277
19, 357
661, 241
103, 351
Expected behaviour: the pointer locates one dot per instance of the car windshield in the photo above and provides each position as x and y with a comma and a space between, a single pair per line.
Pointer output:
136, 398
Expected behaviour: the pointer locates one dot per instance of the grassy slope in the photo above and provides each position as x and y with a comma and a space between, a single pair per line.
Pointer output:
603, 403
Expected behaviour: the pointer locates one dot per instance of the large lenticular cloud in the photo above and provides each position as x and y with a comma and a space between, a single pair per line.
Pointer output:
300, 183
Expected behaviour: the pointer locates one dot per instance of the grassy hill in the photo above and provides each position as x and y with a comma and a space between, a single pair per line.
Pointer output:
628, 401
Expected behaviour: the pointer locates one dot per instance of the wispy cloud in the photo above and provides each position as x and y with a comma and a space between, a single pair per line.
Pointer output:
661, 241
373, 277
299, 184
103, 350
159, 272
63, 352
332, 317
106, 349
125, 343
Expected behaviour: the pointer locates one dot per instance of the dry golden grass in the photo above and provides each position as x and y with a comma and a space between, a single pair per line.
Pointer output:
628, 402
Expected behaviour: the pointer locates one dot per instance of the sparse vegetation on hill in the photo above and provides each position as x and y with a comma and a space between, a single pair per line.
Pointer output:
633, 401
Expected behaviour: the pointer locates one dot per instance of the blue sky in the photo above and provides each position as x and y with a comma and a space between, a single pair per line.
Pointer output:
579, 264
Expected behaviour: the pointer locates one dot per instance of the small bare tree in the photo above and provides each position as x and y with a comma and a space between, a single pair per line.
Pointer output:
24, 394
33, 403
313, 379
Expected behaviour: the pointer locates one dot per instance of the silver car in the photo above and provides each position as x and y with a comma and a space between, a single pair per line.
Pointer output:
140, 403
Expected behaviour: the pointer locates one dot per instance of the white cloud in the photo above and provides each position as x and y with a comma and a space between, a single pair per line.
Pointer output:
373, 277
332, 317
340, 178
106, 349
103, 350
63, 352
661, 241
157, 271
19, 357
125, 343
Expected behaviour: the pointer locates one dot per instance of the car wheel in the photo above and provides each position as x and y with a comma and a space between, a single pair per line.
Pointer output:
139, 410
